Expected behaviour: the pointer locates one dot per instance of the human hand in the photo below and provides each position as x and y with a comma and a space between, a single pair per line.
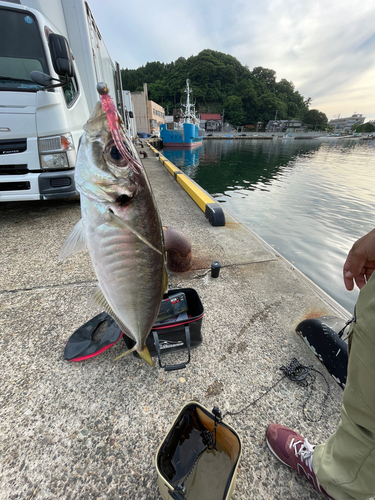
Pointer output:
360, 263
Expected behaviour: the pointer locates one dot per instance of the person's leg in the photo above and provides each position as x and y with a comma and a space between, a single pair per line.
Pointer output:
345, 464
294, 451
344, 467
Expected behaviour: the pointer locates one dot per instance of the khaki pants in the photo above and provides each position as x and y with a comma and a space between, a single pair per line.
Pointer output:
345, 464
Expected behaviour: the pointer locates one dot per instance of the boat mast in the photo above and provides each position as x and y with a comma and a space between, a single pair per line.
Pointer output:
187, 105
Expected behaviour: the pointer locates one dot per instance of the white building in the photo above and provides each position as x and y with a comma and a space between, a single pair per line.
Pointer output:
345, 124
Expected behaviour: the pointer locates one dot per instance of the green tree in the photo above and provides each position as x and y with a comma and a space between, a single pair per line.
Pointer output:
293, 110
265, 75
234, 111
366, 127
315, 119
216, 79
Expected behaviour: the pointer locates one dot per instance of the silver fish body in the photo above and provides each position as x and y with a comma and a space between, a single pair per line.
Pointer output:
122, 230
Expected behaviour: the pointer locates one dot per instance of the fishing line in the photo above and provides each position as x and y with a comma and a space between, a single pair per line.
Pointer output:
296, 372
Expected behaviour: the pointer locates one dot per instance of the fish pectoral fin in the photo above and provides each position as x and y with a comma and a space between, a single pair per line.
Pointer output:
126, 353
117, 222
75, 242
98, 299
144, 354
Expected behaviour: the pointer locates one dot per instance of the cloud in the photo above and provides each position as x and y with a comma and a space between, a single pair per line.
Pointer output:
326, 48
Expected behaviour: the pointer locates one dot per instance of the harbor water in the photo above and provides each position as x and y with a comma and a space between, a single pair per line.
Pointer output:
309, 199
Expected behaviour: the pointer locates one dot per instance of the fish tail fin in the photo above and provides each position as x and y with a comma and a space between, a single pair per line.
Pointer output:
146, 356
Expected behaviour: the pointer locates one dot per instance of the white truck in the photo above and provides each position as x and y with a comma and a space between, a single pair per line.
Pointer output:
129, 114
41, 123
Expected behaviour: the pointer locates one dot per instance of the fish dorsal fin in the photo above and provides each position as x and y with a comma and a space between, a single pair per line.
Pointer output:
75, 242
117, 222
98, 299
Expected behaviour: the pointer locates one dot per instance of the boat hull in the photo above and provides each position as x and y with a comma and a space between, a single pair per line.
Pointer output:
188, 137
182, 144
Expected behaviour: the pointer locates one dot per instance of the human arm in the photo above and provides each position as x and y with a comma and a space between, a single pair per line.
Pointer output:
360, 263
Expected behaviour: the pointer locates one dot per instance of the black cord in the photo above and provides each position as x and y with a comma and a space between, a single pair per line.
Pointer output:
233, 414
296, 372
326, 395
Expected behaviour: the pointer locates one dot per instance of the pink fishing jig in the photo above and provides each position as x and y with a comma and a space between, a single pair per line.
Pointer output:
114, 124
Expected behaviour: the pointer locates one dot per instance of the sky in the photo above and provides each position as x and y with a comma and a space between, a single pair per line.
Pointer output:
325, 47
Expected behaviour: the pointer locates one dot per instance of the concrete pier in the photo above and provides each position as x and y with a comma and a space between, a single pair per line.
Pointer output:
90, 430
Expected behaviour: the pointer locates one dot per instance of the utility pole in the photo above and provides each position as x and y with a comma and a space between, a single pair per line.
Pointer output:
274, 125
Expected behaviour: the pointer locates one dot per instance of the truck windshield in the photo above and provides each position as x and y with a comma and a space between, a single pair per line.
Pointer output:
21, 50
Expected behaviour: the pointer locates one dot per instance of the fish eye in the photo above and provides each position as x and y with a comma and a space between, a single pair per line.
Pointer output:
113, 155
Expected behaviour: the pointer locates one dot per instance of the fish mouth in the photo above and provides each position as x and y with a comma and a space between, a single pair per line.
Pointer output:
113, 156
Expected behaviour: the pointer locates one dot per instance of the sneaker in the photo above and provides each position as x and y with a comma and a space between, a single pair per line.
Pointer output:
295, 451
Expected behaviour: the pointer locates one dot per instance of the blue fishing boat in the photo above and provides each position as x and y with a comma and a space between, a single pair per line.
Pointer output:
186, 134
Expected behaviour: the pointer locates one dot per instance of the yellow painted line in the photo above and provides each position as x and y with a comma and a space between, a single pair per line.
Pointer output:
170, 167
212, 211
199, 196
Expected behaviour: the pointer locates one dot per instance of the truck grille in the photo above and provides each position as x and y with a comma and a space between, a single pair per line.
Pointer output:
11, 146
14, 169
14, 186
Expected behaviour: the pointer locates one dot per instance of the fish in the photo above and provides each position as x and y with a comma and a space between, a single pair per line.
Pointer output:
120, 226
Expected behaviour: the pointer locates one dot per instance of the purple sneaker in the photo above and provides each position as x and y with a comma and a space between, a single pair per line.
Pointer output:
295, 451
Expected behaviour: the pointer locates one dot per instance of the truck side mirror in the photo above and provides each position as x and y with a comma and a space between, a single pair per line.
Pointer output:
41, 78
61, 55
131, 114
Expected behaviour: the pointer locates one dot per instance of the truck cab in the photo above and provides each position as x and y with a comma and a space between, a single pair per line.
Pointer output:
40, 126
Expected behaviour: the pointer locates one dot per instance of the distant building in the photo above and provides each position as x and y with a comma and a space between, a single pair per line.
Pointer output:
211, 122
148, 115
285, 126
156, 116
345, 124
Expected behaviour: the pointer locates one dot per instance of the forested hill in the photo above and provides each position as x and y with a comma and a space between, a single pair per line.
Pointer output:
219, 81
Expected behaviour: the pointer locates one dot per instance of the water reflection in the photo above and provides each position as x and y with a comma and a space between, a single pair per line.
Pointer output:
309, 199
227, 163
185, 158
